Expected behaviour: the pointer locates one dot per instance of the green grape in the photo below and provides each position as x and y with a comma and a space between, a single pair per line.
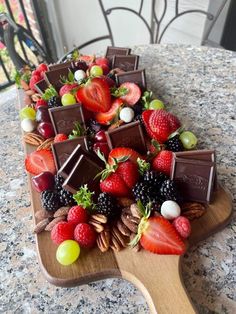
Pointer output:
96, 70
68, 99
188, 140
68, 252
27, 113
156, 104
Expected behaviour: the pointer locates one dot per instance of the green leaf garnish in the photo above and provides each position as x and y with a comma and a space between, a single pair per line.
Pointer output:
146, 99
143, 165
118, 92
77, 131
84, 197
49, 92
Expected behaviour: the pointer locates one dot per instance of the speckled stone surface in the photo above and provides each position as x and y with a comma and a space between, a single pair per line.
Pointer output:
197, 84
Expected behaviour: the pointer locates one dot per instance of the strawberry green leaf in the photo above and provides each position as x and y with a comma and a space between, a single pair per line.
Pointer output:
84, 197
143, 166
118, 92
146, 99
49, 92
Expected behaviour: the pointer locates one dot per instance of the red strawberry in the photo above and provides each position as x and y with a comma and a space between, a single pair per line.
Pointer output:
85, 235
160, 237
42, 67
65, 89
40, 103
77, 214
40, 161
102, 60
120, 182
160, 124
133, 95
95, 95
107, 117
163, 161
60, 138
34, 79
62, 231
120, 152
182, 226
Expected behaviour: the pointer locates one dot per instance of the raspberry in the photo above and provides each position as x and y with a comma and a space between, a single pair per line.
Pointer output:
60, 138
77, 214
62, 231
85, 235
182, 226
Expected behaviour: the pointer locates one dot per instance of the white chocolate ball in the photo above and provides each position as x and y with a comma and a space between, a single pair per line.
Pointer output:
79, 75
170, 210
28, 125
127, 114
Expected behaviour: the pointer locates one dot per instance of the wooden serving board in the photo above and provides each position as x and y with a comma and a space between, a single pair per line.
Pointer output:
157, 276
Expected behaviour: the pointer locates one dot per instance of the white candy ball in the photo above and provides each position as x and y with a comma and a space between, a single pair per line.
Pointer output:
127, 114
79, 75
28, 125
170, 210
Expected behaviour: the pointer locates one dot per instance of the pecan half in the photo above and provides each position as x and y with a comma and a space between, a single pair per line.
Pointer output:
192, 210
129, 220
123, 228
103, 239
33, 139
53, 223
135, 211
98, 221
125, 201
46, 144
42, 214
36, 97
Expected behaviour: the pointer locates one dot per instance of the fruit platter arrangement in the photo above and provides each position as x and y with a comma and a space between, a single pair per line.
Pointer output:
110, 169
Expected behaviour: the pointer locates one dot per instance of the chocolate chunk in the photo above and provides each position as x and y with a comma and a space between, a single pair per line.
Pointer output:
64, 118
138, 77
130, 135
208, 155
69, 164
194, 178
126, 63
41, 86
54, 77
62, 150
112, 51
83, 172
57, 66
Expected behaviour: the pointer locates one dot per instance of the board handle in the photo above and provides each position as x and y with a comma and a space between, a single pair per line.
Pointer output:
159, 281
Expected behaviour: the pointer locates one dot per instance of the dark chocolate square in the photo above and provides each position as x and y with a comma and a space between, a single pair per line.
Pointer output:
138, 77
41, 86
194, 178
64, 118
62, 150
54, 77
69, 164
57, 66
130, 135
112, 51
125, 63
83, 172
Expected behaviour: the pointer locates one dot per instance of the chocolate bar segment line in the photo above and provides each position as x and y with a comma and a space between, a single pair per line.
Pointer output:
126, 63
204, 154
137, 76
64, 118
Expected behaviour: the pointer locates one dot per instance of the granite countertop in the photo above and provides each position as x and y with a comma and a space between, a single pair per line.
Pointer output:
197, 84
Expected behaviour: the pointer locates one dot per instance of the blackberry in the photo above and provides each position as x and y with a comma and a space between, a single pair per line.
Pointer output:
139, 118
174, 144
106, 205
138, 108
66, 198
93, 126
79, 65
54, 101
50, 200
58, 182
169, 191
154, 179
145, 192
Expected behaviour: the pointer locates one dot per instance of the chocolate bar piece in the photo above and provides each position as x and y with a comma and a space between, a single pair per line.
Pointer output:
57, 66
208, 155
126, 63
41, 86
64, 118
138, 77
69, 164
130, 135
62, 150
194, 178
112, 51
83, 172
54, 77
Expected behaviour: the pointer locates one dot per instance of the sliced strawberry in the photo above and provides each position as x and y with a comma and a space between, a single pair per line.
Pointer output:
163, 162
95, 95
115, 186
87, 58
106, 118
160, 237
40, 161
129, 172
65, 89
120, 152
133, 95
